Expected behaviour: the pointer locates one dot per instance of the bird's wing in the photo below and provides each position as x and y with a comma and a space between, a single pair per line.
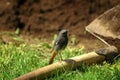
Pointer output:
59, 41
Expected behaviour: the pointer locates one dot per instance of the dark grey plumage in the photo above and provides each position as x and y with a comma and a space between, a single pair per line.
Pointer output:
59, 44
61, 41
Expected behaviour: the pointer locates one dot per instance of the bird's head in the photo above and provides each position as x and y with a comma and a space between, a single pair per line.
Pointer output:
64, 31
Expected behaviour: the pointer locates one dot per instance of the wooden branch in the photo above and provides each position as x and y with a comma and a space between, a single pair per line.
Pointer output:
71, 63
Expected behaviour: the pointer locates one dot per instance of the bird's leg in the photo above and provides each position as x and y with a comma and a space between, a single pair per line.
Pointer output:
60, 56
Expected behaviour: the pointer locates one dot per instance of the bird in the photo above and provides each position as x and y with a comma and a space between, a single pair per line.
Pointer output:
60, 43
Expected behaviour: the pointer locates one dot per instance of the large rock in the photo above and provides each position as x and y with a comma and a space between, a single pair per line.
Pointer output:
107, 26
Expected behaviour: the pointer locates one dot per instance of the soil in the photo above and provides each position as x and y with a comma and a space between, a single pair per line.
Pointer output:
44, 18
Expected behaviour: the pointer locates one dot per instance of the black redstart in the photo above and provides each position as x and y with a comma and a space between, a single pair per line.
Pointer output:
59, 44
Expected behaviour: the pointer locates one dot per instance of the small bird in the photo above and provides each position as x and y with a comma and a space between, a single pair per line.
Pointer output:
59, 44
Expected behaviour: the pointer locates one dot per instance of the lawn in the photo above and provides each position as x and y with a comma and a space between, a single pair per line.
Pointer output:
16, 60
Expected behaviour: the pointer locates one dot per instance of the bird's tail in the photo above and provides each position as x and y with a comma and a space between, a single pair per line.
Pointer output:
54, 53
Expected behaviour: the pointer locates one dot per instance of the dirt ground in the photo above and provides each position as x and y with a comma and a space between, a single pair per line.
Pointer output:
44, 18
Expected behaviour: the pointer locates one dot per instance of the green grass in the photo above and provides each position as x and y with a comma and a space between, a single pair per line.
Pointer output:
93, 72
16, 60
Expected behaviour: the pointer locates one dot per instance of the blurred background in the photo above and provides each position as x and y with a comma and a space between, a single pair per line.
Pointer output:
44, 18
